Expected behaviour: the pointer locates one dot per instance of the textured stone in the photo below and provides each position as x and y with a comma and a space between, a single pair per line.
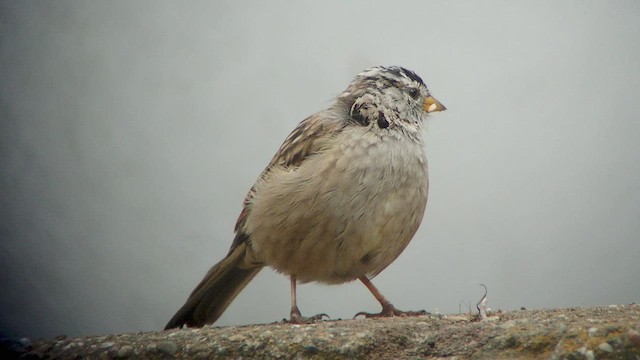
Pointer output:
576, 333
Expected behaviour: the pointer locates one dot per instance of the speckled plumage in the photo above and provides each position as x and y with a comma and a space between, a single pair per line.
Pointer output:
340, 200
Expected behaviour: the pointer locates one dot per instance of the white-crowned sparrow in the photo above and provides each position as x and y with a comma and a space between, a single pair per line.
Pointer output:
340, 200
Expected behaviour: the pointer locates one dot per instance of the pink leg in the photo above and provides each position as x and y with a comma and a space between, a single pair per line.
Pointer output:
388, 310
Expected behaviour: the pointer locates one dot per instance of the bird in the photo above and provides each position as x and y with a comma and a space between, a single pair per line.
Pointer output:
340, 200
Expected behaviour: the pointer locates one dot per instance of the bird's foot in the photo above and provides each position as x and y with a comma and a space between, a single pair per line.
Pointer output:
297, 318
388, 310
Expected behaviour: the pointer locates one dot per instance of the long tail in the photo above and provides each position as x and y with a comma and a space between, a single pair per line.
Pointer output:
220, 286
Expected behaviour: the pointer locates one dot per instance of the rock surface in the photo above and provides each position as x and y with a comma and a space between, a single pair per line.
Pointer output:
611, 332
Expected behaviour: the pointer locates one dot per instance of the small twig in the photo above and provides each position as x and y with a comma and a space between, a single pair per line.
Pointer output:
482, 304
467, 304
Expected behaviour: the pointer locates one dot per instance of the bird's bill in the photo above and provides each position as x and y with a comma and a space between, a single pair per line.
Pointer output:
431, 105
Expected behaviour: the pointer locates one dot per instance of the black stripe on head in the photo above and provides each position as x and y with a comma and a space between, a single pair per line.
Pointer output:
386, 76
411, 75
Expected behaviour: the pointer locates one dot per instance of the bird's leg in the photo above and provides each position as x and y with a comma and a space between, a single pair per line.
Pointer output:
388, 310
295, 316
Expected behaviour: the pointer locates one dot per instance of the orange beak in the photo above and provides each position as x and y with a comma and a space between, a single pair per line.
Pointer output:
431, 105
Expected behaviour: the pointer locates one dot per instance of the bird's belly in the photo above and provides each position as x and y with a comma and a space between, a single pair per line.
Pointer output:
348, 222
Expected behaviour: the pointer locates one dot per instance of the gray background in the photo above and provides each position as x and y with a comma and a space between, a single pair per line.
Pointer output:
132, 130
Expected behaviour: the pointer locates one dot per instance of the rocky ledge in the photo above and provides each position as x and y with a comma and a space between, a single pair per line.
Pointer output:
611, 332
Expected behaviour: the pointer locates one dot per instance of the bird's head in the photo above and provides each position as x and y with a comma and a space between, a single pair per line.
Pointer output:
389, 96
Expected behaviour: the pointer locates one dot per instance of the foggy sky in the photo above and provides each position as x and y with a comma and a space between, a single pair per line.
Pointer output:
131, 132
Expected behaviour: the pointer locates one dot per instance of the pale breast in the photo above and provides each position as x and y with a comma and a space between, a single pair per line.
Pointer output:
345, 212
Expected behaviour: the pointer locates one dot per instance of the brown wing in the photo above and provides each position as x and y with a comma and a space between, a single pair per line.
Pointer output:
308, 138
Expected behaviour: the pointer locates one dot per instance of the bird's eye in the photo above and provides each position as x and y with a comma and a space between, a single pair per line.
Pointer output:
414, 93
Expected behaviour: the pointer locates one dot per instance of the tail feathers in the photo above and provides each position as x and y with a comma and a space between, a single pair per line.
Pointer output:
215, 292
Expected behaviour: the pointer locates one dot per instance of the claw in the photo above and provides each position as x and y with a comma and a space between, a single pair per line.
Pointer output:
318, 317
366, 314
298, 319
390, 311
